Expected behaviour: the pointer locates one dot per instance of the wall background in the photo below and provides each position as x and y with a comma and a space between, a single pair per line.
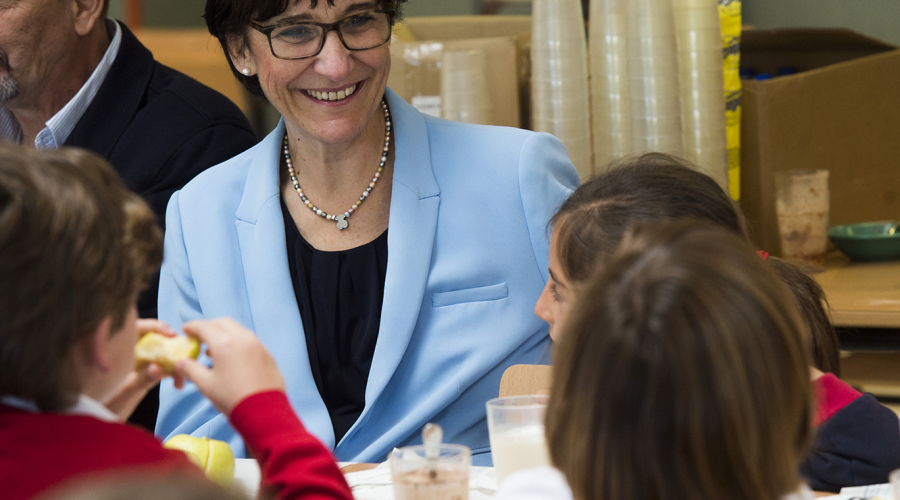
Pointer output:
876, 18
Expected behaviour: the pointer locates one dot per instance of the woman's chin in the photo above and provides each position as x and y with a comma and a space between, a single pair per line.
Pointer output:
336, 137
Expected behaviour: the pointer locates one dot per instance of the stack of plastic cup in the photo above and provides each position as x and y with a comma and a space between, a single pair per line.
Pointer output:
653, 77
559, 86
699, 34
464, 87
611, 112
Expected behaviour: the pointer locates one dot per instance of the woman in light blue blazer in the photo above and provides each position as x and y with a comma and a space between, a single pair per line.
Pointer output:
407, 307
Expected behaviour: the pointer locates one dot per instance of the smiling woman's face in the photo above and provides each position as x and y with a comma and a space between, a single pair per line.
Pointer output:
558, 298
294, 87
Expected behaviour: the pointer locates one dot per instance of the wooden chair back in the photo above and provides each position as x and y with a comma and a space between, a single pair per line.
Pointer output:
521, 380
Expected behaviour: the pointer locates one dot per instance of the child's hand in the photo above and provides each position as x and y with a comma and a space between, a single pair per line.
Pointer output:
138, 382
241, 364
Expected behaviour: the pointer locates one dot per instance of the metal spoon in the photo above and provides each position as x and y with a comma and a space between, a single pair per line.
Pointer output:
894, 227
432, 435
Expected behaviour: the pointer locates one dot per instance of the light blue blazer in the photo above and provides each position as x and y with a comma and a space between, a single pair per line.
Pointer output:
467, 259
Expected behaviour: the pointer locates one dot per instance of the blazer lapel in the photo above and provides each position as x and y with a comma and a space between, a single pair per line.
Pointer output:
118, 99
273, 305
415, 200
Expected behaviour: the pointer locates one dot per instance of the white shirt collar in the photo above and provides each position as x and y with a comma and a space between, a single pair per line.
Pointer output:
85, 406
59, 126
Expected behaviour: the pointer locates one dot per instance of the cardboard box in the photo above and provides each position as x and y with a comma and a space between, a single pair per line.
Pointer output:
197, 54
415, 65
840, 112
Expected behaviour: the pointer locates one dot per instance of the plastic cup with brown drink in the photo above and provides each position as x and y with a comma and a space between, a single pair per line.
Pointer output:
802, 206
418, 478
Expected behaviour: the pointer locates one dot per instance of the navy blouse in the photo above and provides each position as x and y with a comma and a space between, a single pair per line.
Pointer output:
339, 295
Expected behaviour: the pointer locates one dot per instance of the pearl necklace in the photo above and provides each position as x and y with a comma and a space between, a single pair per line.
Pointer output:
342, 218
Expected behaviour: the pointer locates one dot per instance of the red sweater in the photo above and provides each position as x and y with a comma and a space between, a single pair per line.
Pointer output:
832, 395
857, 438
41, 450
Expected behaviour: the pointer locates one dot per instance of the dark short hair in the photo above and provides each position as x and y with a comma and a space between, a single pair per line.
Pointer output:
682, 373
230, 19
76, 246
813, 306
643, 189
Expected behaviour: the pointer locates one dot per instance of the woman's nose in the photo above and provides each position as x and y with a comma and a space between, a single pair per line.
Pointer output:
334, 60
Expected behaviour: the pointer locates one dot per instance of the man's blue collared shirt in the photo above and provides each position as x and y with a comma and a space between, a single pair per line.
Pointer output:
59, 127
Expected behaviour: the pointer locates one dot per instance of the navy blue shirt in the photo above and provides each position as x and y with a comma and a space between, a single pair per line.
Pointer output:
339, 295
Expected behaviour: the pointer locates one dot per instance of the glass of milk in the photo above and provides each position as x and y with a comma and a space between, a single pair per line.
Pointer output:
516, 429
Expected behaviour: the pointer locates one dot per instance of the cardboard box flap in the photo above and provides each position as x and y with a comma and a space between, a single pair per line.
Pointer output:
460, 27
810, 39
765, 51
844, 117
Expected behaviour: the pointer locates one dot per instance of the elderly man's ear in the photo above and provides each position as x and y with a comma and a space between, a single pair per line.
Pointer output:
86, 14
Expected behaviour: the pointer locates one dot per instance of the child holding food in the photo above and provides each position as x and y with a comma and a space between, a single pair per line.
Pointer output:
75, 249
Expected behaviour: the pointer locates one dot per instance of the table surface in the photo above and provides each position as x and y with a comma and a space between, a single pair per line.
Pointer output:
862, 294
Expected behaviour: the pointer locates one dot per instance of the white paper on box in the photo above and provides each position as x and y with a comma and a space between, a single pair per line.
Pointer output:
428, 104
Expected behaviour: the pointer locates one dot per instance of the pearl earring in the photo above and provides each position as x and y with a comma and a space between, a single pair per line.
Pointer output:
245, 72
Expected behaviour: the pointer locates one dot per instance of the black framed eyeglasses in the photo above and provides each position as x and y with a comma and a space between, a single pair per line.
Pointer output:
361, 31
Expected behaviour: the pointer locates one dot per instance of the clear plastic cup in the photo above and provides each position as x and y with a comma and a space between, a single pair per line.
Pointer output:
564, 84
464, 88
696, 19
644, 26
711, 101
802, 203
655, 106
413, 478
559, 61
551, 103
663, 143
543, 114
543, 55
608, 7
700, 64
557, 101
645, 87
712, 162
557, 19
572, 129
699, 41
551, 70
652, 65
705, 137
695, 4
608, 25
651, 46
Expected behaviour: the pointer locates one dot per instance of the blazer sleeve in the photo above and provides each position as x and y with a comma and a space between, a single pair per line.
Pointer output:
184, 411
546, 179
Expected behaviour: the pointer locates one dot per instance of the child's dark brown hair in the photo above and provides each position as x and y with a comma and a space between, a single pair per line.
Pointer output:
648, 188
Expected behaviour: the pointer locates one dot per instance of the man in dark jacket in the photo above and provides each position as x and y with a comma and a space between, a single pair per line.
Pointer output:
71, 77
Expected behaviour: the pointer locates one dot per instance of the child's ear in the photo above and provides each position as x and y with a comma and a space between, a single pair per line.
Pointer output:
96, 346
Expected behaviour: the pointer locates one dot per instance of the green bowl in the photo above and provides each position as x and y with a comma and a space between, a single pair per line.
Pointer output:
866, 241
